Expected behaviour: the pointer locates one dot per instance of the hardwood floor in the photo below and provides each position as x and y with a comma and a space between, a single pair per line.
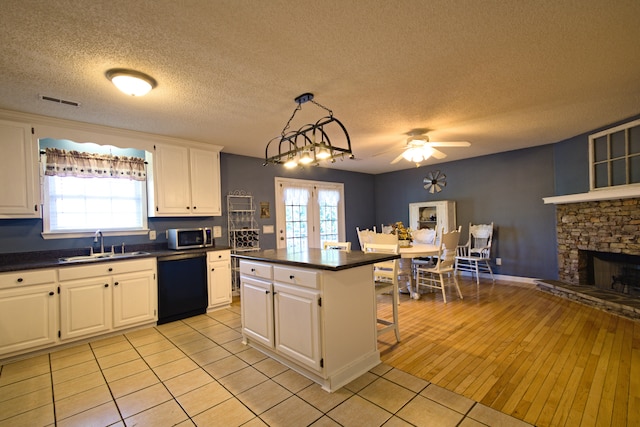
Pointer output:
529, 354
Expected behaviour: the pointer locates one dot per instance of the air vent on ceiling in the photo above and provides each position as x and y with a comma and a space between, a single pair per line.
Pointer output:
59, 101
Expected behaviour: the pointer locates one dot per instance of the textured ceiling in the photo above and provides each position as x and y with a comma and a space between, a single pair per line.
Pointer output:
501, 74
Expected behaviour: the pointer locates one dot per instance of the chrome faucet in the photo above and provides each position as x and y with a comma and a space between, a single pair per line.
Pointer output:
95, 240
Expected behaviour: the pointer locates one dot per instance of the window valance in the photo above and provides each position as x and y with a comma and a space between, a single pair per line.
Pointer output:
89, 165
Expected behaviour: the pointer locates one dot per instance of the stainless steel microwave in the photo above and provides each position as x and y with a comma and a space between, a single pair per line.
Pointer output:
189, 238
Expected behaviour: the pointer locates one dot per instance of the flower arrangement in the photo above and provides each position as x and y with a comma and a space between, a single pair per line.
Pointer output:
401, 231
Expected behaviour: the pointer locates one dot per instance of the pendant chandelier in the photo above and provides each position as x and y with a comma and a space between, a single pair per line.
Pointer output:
310, 144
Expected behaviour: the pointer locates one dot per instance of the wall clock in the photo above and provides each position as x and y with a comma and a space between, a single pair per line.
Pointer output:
434, 182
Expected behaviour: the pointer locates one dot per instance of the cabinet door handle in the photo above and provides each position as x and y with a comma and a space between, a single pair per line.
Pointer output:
116, 283
106, 285
194, 208
19, 279
110, 269
291, 277
253, 270
213, 269
188, 208
51, 293
267, 292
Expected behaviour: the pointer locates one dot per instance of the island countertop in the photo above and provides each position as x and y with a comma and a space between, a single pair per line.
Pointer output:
321, 259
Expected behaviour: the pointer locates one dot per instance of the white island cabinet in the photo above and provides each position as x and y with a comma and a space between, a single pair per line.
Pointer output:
318, 318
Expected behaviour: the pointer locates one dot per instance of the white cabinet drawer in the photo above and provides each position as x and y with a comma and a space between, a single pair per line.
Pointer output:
256, 269
106, 269
299, 277
218, 256
26, 278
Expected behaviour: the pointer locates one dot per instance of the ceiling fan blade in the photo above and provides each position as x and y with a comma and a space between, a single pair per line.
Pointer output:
388, 150
397, 159
449, 144
438, 154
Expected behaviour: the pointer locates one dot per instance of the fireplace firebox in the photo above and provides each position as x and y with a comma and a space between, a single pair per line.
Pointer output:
615, 272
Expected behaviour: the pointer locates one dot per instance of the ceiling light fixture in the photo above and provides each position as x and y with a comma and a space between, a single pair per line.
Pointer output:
419, 148
300, 147
133, 83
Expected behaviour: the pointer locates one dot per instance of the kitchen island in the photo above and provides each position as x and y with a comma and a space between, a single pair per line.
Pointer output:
314, 311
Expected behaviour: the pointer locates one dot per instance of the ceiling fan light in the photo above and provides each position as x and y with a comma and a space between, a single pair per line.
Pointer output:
414, 154
130, 82
427, 152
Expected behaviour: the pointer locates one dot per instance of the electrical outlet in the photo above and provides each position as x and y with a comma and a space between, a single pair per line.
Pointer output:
217, 231
152, 234
498, 261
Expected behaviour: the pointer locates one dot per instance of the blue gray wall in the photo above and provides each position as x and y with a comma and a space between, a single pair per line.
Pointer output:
248, 174
506, 189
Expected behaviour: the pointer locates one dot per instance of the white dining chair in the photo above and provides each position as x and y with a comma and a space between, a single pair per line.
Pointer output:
385, 277
434, 277
475, 256
342, 246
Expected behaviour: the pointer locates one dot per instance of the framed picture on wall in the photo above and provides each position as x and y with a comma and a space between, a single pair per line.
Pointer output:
264, 210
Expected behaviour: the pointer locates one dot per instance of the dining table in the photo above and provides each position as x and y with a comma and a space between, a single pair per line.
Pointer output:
407, 253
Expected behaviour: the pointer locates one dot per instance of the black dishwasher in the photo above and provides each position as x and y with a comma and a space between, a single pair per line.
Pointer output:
182, 286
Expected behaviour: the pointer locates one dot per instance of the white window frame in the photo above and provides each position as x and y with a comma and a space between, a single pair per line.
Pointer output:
608, 162
70, 234
313, 217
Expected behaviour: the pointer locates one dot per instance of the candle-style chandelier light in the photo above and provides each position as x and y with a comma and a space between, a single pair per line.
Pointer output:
310, 144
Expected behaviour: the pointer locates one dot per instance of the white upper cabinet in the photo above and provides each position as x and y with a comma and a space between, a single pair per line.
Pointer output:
185, 181
18, 166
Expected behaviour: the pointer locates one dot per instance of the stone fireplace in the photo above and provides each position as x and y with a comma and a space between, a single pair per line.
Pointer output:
595, 227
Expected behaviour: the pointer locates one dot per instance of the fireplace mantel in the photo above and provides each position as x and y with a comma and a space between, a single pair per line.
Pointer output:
626, 192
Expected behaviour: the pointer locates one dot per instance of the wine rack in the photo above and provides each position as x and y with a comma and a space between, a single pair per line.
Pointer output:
244, 234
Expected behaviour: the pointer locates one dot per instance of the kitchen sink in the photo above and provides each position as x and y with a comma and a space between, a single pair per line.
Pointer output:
102, 256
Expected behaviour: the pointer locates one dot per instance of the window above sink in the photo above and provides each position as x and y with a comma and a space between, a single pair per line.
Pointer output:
75, 206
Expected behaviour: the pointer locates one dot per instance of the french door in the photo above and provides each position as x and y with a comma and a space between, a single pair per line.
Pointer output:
308, 213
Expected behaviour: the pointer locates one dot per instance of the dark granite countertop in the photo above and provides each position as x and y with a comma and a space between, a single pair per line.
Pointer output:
330, 259
51, 259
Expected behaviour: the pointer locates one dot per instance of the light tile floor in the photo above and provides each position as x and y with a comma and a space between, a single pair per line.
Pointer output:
197, 372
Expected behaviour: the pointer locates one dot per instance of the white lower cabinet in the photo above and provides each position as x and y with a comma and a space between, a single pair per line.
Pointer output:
46, 307
85, 307
135, 298
297, 324
219, 279
28, 310
257, 310
281, 316
101, 297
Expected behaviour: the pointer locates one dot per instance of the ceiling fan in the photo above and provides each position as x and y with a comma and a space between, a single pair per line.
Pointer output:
419, 148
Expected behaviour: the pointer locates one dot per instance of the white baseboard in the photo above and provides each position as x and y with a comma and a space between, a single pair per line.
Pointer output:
503, 278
